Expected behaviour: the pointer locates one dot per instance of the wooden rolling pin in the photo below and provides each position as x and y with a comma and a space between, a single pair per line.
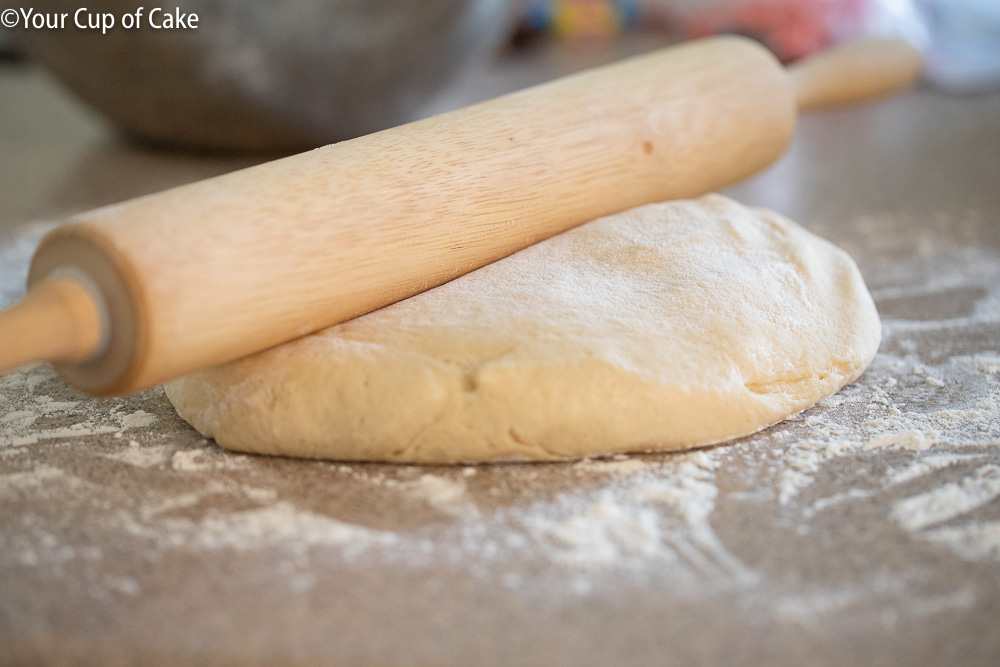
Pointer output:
131, 295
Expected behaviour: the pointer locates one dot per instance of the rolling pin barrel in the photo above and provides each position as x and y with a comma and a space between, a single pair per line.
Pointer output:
215, 270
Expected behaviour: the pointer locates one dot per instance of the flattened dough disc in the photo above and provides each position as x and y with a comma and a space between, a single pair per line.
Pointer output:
665, 327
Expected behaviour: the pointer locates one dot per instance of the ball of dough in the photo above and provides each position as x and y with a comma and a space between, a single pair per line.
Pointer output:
665, 327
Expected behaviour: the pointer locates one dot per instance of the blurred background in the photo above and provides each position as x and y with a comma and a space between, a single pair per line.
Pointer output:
291, 75
87, 119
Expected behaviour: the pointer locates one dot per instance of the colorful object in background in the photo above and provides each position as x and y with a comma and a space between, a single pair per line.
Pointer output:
792, 29
960, 39
581, 20
964, 50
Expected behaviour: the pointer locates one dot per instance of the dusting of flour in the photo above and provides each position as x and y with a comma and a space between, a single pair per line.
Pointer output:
915, 443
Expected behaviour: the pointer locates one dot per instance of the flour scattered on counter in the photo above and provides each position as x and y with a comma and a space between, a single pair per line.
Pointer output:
616, 465
815, 609
948, 501
913, 441
282, 524
19, 419
137, 419
830, 433
978, 541
79, 430
41, 481
189, 460
607, 532
148, 456
31, 417
988, 363
929, 464
124, 585
37, 477
654, 514
278, 525
441, 492
205, 459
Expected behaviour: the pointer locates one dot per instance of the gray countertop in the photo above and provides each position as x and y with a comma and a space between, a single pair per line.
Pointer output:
864, 531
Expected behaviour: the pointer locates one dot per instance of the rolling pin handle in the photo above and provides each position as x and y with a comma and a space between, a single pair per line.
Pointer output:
59, 320
865, 69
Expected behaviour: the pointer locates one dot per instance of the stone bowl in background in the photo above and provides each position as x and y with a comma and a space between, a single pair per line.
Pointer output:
271, 75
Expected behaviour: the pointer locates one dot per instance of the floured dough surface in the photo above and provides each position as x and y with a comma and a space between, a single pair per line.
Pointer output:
665, 327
